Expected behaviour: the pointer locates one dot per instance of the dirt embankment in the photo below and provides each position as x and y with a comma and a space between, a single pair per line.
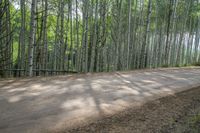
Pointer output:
178, 113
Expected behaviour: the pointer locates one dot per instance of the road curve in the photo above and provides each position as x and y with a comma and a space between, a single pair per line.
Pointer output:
55, 103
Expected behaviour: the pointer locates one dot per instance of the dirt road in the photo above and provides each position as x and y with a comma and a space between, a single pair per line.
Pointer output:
53, 104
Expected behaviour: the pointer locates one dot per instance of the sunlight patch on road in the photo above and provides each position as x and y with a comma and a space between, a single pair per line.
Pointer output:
130, 90
147, 94
96, 86
17, 90
6, 87
14, 99
148, 81
78, 103
37, 87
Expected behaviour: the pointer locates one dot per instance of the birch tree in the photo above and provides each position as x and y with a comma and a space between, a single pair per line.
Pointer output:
32, 35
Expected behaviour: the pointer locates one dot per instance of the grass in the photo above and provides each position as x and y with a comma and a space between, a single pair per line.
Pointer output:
194, 123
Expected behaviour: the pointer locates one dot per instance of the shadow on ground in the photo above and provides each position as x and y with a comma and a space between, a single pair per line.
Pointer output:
48, 104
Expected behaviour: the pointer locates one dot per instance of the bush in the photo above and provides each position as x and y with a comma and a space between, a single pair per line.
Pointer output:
197, 64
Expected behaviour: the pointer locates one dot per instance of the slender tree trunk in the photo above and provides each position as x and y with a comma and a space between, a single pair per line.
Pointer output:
61, 37
21, 53
45, 47
84, 55
167, 47
145, 45
57, 42
77, 60
32, 35
129, 34
94, 41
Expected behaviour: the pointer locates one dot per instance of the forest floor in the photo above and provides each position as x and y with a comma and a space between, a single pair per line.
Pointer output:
179, 113
105, 102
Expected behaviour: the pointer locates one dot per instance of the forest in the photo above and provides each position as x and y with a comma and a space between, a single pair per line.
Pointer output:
50, 37
99, 66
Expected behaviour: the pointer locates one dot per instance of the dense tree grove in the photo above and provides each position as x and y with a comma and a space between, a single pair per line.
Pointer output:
47, 37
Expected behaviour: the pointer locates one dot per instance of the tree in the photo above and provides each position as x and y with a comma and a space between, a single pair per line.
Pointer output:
145, 44
32, 35
96, 35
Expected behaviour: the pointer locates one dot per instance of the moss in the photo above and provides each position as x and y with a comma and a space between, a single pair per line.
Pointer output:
194, 123
196, 119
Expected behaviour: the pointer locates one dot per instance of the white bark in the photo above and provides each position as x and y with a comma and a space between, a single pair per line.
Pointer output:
32, 35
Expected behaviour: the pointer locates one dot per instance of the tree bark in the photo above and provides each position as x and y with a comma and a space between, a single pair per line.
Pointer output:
32, 35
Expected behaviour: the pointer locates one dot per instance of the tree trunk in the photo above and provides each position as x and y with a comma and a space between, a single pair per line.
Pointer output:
145, 45
32, 35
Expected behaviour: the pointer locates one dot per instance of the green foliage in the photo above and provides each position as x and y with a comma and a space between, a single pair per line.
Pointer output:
15, 52
159, 33
197, 64
195, 10
165, 65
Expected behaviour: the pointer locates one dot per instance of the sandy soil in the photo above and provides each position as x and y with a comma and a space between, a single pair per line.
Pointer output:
179, 113
59, 103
